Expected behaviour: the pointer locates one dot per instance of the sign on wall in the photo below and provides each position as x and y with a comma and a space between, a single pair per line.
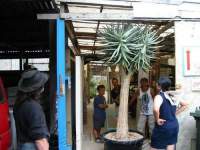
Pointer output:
191, 61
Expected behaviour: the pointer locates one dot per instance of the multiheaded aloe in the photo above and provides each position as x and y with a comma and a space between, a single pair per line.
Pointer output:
132, 47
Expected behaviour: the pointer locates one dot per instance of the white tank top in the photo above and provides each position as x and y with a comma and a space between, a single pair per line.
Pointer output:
146, 102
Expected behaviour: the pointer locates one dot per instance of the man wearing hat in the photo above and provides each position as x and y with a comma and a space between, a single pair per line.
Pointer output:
32, 131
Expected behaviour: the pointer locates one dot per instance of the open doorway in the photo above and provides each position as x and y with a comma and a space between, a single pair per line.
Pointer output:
97, 73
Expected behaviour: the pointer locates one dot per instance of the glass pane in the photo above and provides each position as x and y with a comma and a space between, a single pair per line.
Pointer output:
9, 64
42, 67
38, 61
41, 64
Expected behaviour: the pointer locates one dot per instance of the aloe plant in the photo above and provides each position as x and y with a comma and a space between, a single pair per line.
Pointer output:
132, 47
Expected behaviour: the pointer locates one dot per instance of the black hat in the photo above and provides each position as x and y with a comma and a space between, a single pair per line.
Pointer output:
32, 80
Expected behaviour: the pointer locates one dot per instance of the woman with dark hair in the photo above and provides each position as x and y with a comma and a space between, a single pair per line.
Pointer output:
32, 131
165, 132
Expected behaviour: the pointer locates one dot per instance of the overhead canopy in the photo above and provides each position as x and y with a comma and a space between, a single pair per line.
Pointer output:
86, 30
88, 17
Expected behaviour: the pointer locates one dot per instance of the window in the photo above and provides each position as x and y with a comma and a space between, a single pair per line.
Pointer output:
9, 64
41, 64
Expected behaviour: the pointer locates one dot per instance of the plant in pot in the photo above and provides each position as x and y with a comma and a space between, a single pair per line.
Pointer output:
131, 47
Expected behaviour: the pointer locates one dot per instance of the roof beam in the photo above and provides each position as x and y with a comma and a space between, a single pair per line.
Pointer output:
170, 36
99, 2
90, 47
121, 17
97, 16
168, 43
71, 32
109, 18
157, 26
101, 9
86, 37
85, 34
72, 36
166, 27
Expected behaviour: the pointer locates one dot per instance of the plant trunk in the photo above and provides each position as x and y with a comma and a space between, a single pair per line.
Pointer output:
122, 123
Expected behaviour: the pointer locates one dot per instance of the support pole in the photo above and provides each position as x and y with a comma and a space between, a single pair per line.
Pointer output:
20, 64
52, 67
79, 102
73, 98
61, 96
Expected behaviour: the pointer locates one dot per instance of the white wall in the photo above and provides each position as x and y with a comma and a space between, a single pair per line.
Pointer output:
186, 34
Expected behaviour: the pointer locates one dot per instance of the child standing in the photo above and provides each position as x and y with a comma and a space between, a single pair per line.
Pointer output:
99, 115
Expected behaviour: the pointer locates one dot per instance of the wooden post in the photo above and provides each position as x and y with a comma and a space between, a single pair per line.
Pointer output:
52, 67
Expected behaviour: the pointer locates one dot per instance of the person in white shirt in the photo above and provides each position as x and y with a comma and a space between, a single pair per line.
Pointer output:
166, 129
145, 102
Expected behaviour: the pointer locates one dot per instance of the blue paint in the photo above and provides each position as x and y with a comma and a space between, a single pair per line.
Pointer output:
61, 77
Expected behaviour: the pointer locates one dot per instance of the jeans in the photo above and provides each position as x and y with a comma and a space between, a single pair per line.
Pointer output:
26, 146
142, 122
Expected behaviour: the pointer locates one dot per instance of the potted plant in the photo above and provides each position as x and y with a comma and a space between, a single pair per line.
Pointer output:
131, 47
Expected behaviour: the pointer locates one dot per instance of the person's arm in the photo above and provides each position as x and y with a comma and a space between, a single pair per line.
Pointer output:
156, 109
103, 106
183, 106
153, 93
116, 100
135, 96
99, 103
38, 130
115, 95
42, 144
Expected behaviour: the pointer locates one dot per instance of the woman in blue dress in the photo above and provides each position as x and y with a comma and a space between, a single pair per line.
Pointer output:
165, 132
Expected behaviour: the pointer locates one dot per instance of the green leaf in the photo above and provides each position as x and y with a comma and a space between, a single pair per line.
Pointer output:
130, 45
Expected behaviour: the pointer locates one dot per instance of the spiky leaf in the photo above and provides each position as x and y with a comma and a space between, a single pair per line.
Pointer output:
131, 46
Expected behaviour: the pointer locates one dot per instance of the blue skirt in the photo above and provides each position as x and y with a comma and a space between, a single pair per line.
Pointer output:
165, 135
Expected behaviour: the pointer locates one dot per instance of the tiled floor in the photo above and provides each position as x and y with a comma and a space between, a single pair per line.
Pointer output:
89, 143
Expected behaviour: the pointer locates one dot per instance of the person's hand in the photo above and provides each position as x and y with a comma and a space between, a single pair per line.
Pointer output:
160, 122
106, 106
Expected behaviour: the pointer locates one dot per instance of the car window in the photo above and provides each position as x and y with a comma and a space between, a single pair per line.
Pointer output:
1, 95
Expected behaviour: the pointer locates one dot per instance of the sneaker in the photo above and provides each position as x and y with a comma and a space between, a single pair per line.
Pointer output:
98, 140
